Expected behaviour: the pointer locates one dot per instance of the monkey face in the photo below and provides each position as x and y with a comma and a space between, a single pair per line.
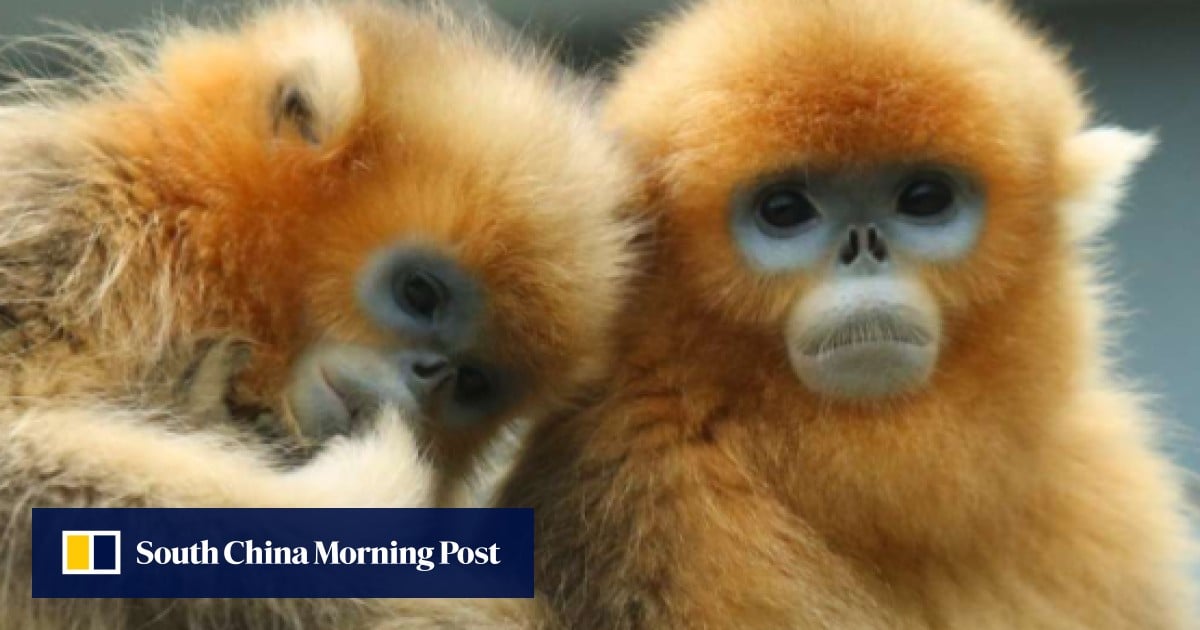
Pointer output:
867, 326
865, 197
433, 364
488, 298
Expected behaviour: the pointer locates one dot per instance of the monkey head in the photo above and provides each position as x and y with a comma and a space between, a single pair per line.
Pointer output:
398, 206
862, 179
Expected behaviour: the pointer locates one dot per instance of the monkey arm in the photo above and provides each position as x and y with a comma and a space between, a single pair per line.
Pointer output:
130, 458
97, 457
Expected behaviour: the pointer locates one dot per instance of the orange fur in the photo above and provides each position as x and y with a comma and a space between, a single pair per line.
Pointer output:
1018, 489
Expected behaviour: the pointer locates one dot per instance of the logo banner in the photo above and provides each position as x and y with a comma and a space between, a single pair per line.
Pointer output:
191, 553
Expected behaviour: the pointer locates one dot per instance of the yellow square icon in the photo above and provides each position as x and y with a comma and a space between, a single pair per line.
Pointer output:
78, 556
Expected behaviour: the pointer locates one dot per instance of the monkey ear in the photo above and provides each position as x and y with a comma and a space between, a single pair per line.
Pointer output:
1099, 163
319, 95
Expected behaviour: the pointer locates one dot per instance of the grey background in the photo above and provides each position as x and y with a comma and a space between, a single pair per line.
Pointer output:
1141, 58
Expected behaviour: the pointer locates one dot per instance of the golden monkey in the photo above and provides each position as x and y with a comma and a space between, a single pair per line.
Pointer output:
865, 382
400, 212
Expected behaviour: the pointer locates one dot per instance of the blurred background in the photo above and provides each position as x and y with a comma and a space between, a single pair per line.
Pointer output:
1139, 58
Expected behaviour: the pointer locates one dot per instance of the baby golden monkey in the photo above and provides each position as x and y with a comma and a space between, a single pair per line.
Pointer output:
864, 383
398, 210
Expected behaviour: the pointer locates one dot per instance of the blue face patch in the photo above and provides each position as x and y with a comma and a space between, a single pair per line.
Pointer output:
800, 221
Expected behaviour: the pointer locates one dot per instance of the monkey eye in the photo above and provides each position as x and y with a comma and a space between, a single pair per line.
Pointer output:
926, 198
784, 211
419, 294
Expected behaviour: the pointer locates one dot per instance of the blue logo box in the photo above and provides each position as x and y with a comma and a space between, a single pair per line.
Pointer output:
191, 553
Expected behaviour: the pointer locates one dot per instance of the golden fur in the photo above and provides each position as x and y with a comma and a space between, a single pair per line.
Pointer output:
169, 199
708, 488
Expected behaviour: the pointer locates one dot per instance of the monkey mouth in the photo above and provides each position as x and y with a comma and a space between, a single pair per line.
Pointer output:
866, 353
891, 327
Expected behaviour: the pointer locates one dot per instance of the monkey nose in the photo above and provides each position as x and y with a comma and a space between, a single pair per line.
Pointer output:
425, 372
864, 243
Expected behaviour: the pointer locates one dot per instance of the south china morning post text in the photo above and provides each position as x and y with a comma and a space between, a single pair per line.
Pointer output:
238, 552
192, 553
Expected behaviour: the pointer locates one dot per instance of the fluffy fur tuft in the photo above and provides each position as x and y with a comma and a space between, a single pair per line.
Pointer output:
1104, 159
